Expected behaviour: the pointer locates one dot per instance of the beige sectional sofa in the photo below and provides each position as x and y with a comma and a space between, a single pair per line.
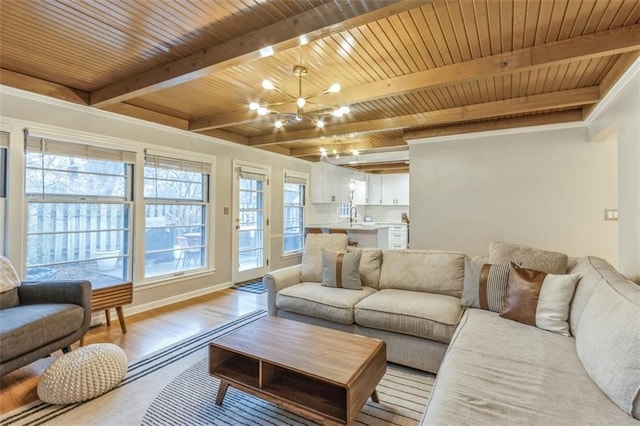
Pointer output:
490, 370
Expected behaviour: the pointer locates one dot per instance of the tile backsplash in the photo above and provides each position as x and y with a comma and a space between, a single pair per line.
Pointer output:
328, 213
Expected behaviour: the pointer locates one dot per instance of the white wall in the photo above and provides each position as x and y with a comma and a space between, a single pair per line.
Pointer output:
21, 109
623, 113
547, 189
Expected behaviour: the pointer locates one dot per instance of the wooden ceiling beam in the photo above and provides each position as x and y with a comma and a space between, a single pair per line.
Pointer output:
605, 43
323, 21
623, 62
345, 148
377, 167
555, 100
500, 124
43, 87
148, 115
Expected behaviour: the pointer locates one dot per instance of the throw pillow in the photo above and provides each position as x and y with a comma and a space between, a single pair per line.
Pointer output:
528, 257
311, 266
539, 299
8, 275
484, 284
340, 269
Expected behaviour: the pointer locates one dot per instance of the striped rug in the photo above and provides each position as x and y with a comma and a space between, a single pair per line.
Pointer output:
254, 286
173, 387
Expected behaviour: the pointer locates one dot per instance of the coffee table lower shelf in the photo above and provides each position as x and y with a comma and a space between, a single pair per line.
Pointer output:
297, 392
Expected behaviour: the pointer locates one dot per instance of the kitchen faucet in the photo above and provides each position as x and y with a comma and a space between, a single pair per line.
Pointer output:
353, 215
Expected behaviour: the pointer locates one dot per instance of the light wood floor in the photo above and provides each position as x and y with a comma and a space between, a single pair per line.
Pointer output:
146, 333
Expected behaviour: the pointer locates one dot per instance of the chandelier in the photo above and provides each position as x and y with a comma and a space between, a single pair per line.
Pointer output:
282, 118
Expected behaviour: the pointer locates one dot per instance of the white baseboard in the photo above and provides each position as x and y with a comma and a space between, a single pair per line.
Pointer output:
136, 309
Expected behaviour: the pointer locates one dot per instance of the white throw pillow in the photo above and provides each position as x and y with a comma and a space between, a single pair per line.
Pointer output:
8, 276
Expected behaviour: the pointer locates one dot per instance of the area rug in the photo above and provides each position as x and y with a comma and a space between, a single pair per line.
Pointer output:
173, 387
254, 286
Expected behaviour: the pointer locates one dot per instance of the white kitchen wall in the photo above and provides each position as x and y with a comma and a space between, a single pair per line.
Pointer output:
389, 214
546, 189
318, 214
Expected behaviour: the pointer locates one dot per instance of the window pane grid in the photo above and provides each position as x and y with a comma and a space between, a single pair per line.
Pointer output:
77, 214
293, 221
176, 210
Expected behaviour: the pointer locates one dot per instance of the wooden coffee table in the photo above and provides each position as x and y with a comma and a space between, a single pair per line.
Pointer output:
322, 374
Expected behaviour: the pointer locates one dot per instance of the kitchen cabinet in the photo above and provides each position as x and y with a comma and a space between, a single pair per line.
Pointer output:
374, 190
389, 189
360, 192
329, 183
397, 236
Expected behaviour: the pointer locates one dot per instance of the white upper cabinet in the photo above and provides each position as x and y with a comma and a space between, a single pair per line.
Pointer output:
360, 192
395, 189
402, 188
329, 183
374, 190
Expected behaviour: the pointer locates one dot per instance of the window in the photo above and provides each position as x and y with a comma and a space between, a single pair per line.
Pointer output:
176, 194
78, 211
344, 209
294, 198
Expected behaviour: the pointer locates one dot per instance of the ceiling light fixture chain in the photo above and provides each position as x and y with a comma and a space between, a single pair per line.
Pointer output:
301, 101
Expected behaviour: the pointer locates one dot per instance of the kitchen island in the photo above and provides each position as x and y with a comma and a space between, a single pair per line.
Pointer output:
364, 235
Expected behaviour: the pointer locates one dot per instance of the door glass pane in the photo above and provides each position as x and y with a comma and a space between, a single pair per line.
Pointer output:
251, 223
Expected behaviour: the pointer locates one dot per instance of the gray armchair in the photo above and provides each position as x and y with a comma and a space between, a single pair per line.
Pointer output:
37, 319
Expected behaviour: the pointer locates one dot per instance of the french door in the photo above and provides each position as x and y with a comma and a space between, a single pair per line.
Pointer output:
251, 231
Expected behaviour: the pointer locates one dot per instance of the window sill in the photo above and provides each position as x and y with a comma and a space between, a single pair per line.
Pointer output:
291, 255
172, 279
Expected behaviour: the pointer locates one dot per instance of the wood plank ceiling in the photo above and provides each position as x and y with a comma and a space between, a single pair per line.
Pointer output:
408, 69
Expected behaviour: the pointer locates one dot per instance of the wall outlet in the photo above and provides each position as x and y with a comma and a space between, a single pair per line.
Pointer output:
611, 214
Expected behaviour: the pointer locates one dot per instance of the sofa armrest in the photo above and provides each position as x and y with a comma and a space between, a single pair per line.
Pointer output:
75, 292
276, 281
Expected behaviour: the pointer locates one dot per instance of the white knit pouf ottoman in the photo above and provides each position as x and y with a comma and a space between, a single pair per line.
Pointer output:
83, 374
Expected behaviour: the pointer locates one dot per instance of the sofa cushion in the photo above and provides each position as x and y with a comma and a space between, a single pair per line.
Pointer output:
591, 270
370, 263
550, 262
539, 299
316, 300
504, 372
340, 269
24, 328
427, 315
484, 285
311, 266
430, 271
608, 342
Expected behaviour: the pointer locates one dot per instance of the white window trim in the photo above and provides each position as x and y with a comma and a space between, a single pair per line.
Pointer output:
299, 175
210, 219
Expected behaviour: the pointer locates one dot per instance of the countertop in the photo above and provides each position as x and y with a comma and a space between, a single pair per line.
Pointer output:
355, 227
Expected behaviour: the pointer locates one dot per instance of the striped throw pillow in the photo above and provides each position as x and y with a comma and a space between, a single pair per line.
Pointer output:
340, 269
539, 299
484, 285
